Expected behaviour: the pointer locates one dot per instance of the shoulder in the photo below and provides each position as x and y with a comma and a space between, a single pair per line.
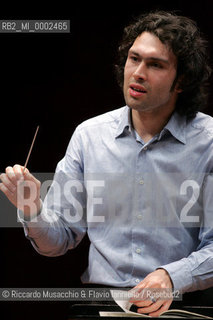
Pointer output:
203, 123
109, 118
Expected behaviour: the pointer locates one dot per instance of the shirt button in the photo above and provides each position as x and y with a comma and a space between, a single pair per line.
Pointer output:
138, 250
145, 148
141, 181
137, 280
139, 217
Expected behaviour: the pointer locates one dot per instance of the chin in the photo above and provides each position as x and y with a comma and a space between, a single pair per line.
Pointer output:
136, 107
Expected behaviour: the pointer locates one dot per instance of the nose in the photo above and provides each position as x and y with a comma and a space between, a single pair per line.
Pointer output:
140, 72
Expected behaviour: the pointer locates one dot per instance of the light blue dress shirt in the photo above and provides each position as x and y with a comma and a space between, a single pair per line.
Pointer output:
144, 205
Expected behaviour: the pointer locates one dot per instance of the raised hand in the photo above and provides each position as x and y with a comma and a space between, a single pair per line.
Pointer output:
22, 189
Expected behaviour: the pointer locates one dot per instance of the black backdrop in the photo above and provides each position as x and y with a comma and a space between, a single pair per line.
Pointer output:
57, 81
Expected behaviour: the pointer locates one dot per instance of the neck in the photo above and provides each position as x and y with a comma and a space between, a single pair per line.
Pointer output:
148, 124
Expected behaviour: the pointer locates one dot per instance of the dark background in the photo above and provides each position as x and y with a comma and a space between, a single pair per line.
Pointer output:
57, 81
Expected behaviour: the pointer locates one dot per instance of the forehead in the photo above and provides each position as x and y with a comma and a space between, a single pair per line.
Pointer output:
148, 45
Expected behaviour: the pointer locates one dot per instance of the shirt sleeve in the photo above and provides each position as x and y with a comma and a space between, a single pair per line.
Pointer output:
195, 272
61, 224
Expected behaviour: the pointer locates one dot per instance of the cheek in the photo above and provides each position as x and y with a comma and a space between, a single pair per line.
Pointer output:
126, 77
163, 84
128, 70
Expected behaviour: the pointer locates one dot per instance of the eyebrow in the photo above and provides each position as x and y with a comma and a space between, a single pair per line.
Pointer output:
149, 58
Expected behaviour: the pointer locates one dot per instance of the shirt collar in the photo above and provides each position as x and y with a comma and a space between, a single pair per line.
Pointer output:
125, 123
176, 125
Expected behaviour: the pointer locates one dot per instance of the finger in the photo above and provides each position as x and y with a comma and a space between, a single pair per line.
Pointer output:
140, 293
29, 176
11, 175
144, 299
24, 170
7, 182
18, 172
139, 286
164, 307
5, 190
143, 303
137, 292
153, 307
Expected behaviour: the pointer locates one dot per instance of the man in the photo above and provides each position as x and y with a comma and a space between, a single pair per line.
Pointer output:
137, 179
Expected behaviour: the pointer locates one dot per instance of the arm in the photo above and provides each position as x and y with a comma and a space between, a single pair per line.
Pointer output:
191, 273
195, 272
59, 224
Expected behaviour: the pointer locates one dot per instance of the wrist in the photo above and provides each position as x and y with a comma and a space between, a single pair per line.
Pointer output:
30, 212
166, 273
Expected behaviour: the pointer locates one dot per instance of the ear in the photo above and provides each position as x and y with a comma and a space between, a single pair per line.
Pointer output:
178, 90
178, 85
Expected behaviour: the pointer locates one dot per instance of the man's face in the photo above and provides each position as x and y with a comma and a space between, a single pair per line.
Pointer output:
149, 74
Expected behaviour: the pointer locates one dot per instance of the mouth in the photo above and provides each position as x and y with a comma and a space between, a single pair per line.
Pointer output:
137, 90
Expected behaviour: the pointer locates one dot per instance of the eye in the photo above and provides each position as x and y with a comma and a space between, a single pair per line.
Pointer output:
156, 65
133, 58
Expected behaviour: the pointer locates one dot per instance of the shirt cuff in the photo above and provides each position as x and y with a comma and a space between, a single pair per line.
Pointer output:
180, 275
34, 226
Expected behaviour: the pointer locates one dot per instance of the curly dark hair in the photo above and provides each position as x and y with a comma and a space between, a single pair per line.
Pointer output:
183, 37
